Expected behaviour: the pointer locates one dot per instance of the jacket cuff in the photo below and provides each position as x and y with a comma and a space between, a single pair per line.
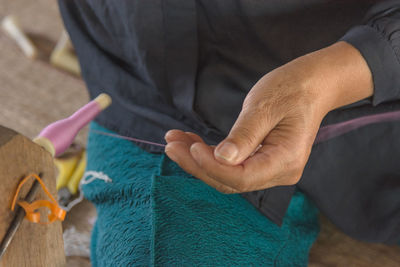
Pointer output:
381, 59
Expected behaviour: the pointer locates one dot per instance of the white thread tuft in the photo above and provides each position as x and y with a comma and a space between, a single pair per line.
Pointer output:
93, 176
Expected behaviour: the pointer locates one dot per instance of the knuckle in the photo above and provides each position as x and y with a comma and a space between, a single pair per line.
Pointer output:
244, 134
248, 101
261, 106
252, 120
256, 101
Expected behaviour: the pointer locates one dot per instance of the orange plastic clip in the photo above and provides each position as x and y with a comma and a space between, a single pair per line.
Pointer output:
56, 213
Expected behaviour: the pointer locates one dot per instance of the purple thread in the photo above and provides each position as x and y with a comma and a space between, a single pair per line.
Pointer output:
127, 138
330, 131
325, 133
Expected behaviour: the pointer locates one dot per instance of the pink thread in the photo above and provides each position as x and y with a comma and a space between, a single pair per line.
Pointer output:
127, 138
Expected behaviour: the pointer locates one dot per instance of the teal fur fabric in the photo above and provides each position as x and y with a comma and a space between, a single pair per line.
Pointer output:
155, 214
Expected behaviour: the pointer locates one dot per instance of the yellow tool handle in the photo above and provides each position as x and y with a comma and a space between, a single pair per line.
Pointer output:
73, 182
65, 168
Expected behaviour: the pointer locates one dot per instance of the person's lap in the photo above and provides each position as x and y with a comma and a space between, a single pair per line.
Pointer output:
154, 213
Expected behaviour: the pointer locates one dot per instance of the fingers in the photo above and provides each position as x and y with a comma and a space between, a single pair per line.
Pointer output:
178, 150
227, 175
268, 167
180, 153
253, 174
275, 163
178, 135
195, 137
279, 161
250, 129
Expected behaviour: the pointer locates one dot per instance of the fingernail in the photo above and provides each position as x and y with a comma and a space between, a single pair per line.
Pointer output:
195, 153
227, 151
193, 148
167, 135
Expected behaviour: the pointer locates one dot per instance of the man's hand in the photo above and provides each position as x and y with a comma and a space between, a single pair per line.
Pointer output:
271, 140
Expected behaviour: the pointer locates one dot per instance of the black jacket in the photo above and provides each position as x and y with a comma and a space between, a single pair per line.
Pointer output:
188, 65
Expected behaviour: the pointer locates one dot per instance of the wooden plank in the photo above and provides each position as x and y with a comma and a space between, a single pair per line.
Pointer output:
33, 244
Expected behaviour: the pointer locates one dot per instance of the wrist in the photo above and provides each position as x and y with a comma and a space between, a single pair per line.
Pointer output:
335, 76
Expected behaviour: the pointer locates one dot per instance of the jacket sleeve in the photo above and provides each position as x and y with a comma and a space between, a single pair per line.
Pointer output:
378, 40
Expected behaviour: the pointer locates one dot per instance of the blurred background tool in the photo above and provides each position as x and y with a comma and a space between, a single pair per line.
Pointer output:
11, 26
71, 167
59, 135
63, 56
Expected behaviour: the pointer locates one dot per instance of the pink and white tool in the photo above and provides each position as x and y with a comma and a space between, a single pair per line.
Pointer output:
58, 136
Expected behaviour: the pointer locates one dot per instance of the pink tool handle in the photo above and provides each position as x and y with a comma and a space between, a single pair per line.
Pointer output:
62, 133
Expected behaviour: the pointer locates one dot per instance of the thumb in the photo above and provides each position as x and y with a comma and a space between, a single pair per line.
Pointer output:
248, 132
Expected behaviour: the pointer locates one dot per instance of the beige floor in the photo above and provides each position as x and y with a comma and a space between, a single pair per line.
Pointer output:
33, 94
